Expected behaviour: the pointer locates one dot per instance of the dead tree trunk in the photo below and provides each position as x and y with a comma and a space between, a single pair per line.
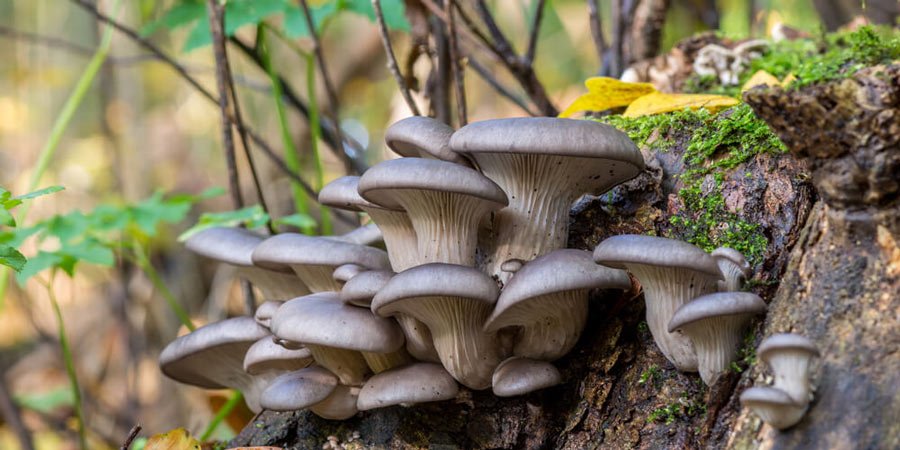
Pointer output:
830, 270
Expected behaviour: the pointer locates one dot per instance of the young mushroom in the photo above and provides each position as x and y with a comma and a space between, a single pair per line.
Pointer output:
335, 333
671, 273
234, 246
715, 324
445, 203
343, 273
544, 164
734, 267
313, 387
519, 376
265, 311
773, 406
212, 357
453, 301
314, 259
415, 383
266, 356
420, 136
547, 300
789, 356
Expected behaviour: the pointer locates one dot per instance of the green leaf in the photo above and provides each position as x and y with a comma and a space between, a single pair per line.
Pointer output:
178, 16
11, 258
90, 251
251, 216
198, 37
249, 12
68, 227
295, 21
393, 10
40, 192
299, 220
37, 264
47, 402
149, 213
6, 218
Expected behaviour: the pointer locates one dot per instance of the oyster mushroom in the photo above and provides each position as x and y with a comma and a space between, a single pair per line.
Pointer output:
453, 301
547, 300
343, 273
519, 376
773, 406
299, 389
789, 356
715, 324
234, 246
543, 164
368, 234
734, 267
423, 137
314, 259
212, 357
415, 383
671, 273
445, 203
265, 356
336, 333
264, 312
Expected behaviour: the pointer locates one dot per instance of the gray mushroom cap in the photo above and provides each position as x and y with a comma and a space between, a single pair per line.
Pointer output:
265, 355
299, 389
519, 376
715, 324
229, 245
633, 249
786, 341
297, 249
435, 280
426, 174
773, 406
265, 311
789, 356
415, 383
422, 136
368, 234
323, 319
361, 289
734, 268
345, 272
343, 193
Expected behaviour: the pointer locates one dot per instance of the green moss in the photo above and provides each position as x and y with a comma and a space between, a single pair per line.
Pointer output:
654, 132
652, 375
684, 407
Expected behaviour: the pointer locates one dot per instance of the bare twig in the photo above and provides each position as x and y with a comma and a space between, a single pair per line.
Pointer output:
535, 31
392, 60
597, 34
11, 415
456, 64
489, 78
131, 437
215, 26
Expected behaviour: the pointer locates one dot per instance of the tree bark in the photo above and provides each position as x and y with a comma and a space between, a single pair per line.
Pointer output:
830, 271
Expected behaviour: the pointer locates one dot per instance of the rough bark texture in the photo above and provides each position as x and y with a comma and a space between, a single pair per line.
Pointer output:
830, 271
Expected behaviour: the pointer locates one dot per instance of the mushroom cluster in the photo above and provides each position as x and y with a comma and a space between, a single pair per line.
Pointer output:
783, 404
476, 286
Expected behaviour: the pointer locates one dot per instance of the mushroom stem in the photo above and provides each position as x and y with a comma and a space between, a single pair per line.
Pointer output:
340, 405
419, 343
443, 237
716, 343
399, 237
273, 285
665, 290
317, 277
379, 362
348, 365
557, 333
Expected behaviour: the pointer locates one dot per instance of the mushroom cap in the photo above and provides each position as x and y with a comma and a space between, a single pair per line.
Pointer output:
368, 234
426, 174
343, 193
292, 248
323, 319
734, 256
226, 244
717, 305
434, 280
548, 135
512, 265
361, 289
618, 251
415, 135
265, 311
340, 405
786, 341
415, 383
519, 376
558, 271
299, 389
774, 406
197, 358
345, 272
266, 355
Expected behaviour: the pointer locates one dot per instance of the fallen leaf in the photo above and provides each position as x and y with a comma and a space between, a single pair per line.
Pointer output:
760, 78
606, 93
658, 103
790, 78
177, 439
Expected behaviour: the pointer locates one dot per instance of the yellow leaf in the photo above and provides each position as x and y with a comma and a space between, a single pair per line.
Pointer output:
177, 439
760, 78
790, 78
605, 93
658, 103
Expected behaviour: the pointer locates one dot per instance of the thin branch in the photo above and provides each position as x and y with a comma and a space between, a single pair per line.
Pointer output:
13, 417
215, 26
535, 31
132, 435
597, 34
438, 84
392, 60
456, 64
504, 48
334, 106
489, 78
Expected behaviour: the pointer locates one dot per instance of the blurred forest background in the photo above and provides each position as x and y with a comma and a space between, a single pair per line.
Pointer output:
142, 136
